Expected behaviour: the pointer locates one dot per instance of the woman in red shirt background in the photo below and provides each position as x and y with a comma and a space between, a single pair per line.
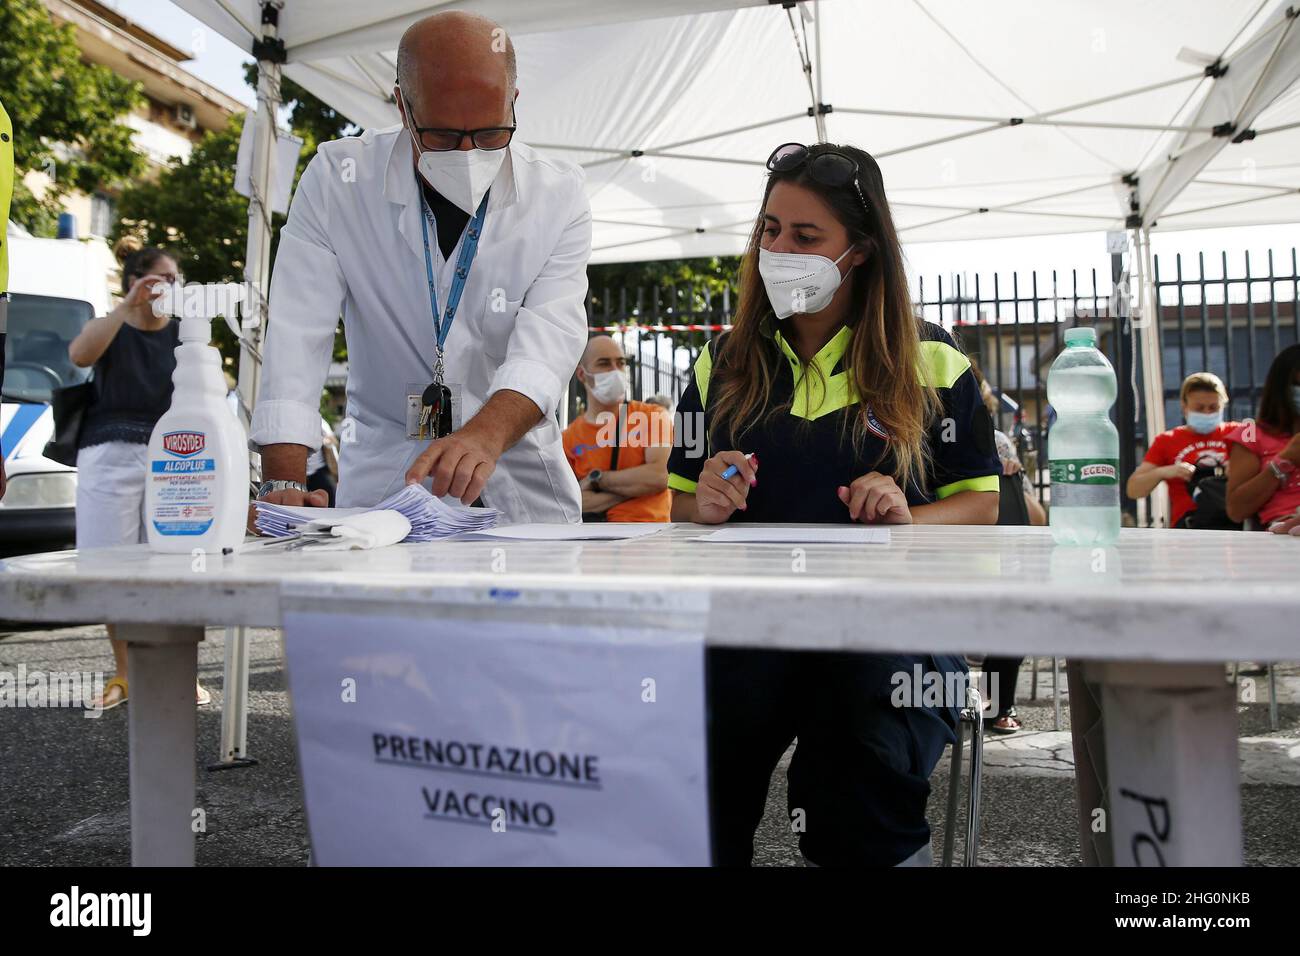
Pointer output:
1175, 454
1264, 467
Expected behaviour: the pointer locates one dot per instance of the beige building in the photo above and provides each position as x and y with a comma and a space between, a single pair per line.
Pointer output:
178, 107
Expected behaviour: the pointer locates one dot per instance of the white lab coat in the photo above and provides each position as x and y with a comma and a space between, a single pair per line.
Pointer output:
352, 246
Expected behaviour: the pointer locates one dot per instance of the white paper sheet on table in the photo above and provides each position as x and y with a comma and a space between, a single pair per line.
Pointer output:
815, 534
431, 518
611, 531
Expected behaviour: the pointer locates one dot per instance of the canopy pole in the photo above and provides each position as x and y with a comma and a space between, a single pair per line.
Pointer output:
805, 53
269, 51
1147, 325
1244, 87
817, 63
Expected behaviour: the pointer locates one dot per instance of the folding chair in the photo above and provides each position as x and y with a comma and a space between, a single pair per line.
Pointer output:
972, 714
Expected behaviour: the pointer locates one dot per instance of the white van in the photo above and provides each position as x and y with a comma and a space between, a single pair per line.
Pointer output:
56, 286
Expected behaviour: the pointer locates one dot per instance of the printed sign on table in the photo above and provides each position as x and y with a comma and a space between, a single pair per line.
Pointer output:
427, 739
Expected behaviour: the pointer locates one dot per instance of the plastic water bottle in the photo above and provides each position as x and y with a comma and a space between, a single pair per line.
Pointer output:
1083, 444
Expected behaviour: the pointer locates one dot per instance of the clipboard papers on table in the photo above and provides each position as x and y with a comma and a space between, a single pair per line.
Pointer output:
431, 518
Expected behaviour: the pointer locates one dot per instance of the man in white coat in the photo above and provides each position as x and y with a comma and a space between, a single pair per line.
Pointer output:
457, 258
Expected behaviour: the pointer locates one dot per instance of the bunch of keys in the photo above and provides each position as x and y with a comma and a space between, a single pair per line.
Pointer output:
435, 411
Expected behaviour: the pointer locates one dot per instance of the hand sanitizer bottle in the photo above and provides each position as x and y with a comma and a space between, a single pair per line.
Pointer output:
197, 492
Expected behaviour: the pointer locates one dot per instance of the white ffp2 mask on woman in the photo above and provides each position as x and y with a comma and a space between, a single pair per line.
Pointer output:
799, 282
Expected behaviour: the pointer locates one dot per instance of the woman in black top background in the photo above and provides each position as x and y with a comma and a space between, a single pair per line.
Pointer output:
133, 354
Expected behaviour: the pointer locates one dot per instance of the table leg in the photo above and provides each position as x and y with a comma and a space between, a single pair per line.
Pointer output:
162, 662
1088, 737
1171, 763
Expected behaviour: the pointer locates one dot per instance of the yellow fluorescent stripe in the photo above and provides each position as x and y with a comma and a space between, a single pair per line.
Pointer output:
678, 483
983, 483
790, 353
6, 191
703, 366
829, 354
941, 364
837, 394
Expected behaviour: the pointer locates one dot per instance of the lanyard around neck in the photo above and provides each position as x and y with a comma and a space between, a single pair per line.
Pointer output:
468, 249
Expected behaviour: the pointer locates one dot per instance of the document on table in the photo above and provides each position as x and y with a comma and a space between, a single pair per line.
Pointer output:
813, 534
597, 531
431, 518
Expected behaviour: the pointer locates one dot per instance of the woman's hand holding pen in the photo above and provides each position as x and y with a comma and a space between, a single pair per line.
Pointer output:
876, 499
718, 497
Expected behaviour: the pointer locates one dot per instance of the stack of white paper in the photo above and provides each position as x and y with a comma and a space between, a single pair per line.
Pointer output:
431, 518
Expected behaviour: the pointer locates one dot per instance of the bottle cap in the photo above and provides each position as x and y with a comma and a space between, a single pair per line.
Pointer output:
196, 329
1081, 336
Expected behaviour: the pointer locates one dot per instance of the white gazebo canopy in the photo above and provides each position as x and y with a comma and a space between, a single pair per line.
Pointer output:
988, 119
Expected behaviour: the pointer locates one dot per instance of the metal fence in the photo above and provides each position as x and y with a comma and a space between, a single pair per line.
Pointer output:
661, 331
1231, 321
1230, 325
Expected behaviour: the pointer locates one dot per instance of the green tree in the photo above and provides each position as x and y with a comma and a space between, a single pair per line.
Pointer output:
66, 114
690, 291
312, 119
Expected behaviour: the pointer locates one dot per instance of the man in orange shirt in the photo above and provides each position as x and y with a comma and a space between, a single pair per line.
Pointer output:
618, 449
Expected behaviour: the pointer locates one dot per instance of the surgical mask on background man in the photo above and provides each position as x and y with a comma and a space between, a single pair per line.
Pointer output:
1204, 422
461, 176
798, 282
608, 387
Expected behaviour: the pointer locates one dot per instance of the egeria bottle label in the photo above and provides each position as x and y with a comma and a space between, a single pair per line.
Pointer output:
1085, 482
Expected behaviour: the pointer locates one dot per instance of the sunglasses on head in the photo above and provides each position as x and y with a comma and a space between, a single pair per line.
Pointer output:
829, 167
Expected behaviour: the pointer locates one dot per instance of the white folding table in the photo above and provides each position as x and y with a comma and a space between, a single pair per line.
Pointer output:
1154, 618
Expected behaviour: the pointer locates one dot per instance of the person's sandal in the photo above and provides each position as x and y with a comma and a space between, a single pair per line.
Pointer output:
118, 684
1008, 723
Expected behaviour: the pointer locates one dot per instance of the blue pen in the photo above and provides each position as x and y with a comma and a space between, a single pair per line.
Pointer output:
732, 470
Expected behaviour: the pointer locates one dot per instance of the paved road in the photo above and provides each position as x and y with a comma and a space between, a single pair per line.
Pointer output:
64, 788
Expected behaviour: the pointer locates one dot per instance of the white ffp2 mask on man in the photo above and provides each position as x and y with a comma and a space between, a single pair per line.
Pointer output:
461, 176
608, 387
799, 282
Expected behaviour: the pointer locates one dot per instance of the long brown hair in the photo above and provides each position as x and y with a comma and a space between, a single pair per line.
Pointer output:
883, 359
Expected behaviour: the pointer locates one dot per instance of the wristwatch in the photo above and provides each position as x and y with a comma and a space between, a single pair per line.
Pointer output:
266, 487
1281, 469
593, 479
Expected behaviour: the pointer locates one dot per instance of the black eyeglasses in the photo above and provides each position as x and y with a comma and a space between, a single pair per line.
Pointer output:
442, 140
829, 167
